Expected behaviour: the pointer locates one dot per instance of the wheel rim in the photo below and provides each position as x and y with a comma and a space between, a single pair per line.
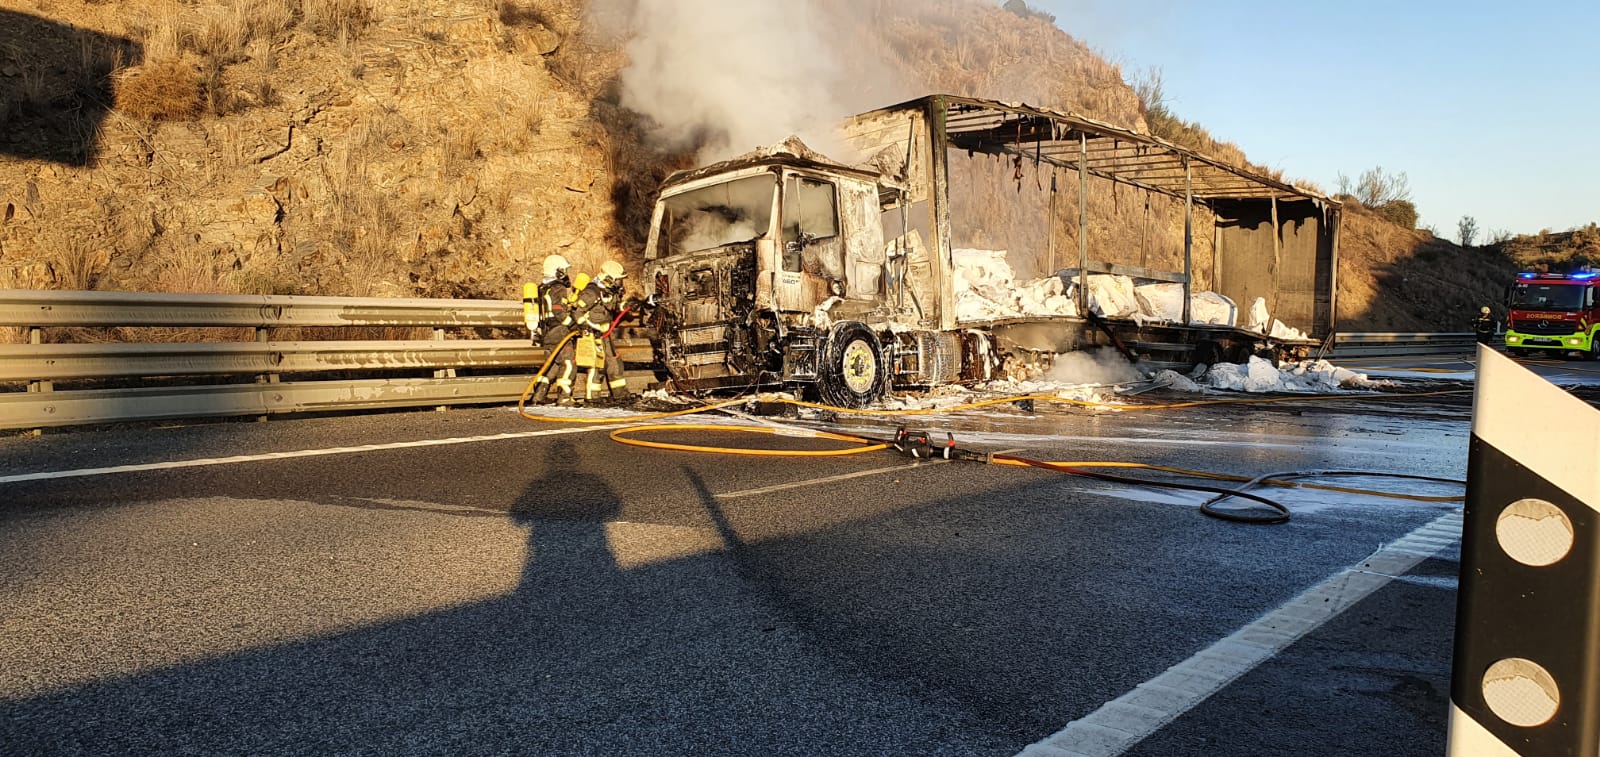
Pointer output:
859, 366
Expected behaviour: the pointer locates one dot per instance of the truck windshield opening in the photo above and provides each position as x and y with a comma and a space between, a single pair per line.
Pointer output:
1547, 296
735, 211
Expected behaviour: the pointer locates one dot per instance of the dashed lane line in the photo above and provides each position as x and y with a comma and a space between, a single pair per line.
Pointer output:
1128, 719
199, 462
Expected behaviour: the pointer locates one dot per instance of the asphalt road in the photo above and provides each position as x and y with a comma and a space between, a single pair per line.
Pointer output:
475, 582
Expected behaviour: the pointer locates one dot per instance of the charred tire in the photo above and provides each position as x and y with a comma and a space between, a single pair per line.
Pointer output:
852, 372
1207, 353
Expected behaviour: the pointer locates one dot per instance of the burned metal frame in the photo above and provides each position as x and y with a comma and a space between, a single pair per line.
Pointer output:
1109, 152
1122, 156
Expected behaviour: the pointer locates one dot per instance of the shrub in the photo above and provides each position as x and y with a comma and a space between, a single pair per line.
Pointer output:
1398, 212
164, 90
336, 19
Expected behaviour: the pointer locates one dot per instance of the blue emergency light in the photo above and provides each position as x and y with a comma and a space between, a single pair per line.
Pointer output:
1582, 276
1525, 275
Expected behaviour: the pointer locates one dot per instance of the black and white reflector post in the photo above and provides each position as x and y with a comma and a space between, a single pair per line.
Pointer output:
1526, 678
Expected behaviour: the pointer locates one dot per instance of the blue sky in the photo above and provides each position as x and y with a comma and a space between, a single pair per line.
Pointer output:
1491, 109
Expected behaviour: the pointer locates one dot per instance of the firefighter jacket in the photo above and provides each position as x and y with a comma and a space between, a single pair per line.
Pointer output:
554, 304
596, 308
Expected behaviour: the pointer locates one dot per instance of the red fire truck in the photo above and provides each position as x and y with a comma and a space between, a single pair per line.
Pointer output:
1554, 313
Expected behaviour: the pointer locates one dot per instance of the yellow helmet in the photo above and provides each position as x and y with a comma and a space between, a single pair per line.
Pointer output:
610, 271
1485, 310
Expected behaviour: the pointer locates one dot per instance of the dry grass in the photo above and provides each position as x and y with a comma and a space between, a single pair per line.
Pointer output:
372, 193
339, 20
460, 147
1395, 279
162, 90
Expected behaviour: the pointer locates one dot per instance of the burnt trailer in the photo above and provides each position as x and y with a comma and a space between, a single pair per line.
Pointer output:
852, 274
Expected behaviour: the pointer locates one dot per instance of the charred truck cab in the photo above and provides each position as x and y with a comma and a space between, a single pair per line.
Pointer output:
770, 270
1552, 312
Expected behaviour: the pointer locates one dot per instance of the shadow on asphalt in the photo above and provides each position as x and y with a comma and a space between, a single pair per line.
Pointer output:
962, 626
583, 657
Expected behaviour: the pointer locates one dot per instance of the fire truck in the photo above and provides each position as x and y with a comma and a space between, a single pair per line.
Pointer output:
1554, 313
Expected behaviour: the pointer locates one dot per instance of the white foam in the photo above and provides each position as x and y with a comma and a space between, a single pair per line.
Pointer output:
1311, 376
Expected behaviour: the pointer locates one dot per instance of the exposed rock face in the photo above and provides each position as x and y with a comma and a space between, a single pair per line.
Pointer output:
433, 147
428, 151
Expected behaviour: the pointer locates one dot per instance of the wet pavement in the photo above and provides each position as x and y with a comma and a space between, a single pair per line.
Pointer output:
472, 581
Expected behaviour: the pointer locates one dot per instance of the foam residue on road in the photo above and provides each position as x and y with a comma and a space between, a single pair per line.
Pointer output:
1310, 376
950, 397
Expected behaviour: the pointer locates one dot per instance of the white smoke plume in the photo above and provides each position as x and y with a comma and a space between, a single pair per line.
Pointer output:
1100, 366
734, 75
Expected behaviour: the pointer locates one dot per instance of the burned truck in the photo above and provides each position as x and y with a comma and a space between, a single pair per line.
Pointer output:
846, 277
771, 269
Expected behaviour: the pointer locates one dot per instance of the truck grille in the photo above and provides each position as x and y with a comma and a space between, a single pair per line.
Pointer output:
703, 335
705, 358
1549, 328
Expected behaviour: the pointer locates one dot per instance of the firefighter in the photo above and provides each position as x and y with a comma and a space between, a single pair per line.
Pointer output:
600, 304
546, 307
1484, 326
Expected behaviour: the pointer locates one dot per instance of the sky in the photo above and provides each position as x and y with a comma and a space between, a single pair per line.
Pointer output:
1491, 109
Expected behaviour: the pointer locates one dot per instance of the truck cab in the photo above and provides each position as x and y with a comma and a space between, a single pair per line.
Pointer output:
770, 270
1554, 313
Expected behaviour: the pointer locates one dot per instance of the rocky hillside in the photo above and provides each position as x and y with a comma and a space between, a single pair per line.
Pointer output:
1396, 279
1554, 251
441, 148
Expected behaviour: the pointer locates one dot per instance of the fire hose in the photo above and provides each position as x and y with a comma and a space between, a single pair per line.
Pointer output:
921, 445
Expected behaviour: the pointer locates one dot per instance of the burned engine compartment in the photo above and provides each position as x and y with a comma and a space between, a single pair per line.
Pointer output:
709, 333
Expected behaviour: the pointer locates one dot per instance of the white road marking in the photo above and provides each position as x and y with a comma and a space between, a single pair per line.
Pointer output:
1128, 719
174, 464
838, 477
825, 479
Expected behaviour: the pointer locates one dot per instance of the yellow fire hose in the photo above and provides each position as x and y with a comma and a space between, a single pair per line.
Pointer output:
864, 444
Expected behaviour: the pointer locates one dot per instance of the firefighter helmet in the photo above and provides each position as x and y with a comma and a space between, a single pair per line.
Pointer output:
1485, 310
610, 272
554, 265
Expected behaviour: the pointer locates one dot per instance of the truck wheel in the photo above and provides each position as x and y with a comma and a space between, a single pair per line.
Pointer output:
1207, 353
852, 372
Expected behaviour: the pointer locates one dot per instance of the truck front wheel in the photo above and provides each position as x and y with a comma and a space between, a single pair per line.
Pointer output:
852, 372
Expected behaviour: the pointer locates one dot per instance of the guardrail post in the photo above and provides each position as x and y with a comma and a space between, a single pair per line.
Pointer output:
265, 378
36, 336
438, 336
1528, 615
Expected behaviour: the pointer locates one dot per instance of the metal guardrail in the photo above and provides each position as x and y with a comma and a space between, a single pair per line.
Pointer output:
39, 308
265, 363
207, 367
1379, 344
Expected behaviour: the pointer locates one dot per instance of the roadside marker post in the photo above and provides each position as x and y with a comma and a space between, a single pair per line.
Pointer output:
1526, 675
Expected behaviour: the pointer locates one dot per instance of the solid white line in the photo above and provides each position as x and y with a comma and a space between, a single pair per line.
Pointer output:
838, 477
825, 479
1126, 720
174, 464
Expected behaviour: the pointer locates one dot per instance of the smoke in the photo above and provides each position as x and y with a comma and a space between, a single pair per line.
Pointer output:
728, 76
1102, 366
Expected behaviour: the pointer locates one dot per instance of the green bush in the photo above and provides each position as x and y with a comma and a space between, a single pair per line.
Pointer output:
1398, 212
